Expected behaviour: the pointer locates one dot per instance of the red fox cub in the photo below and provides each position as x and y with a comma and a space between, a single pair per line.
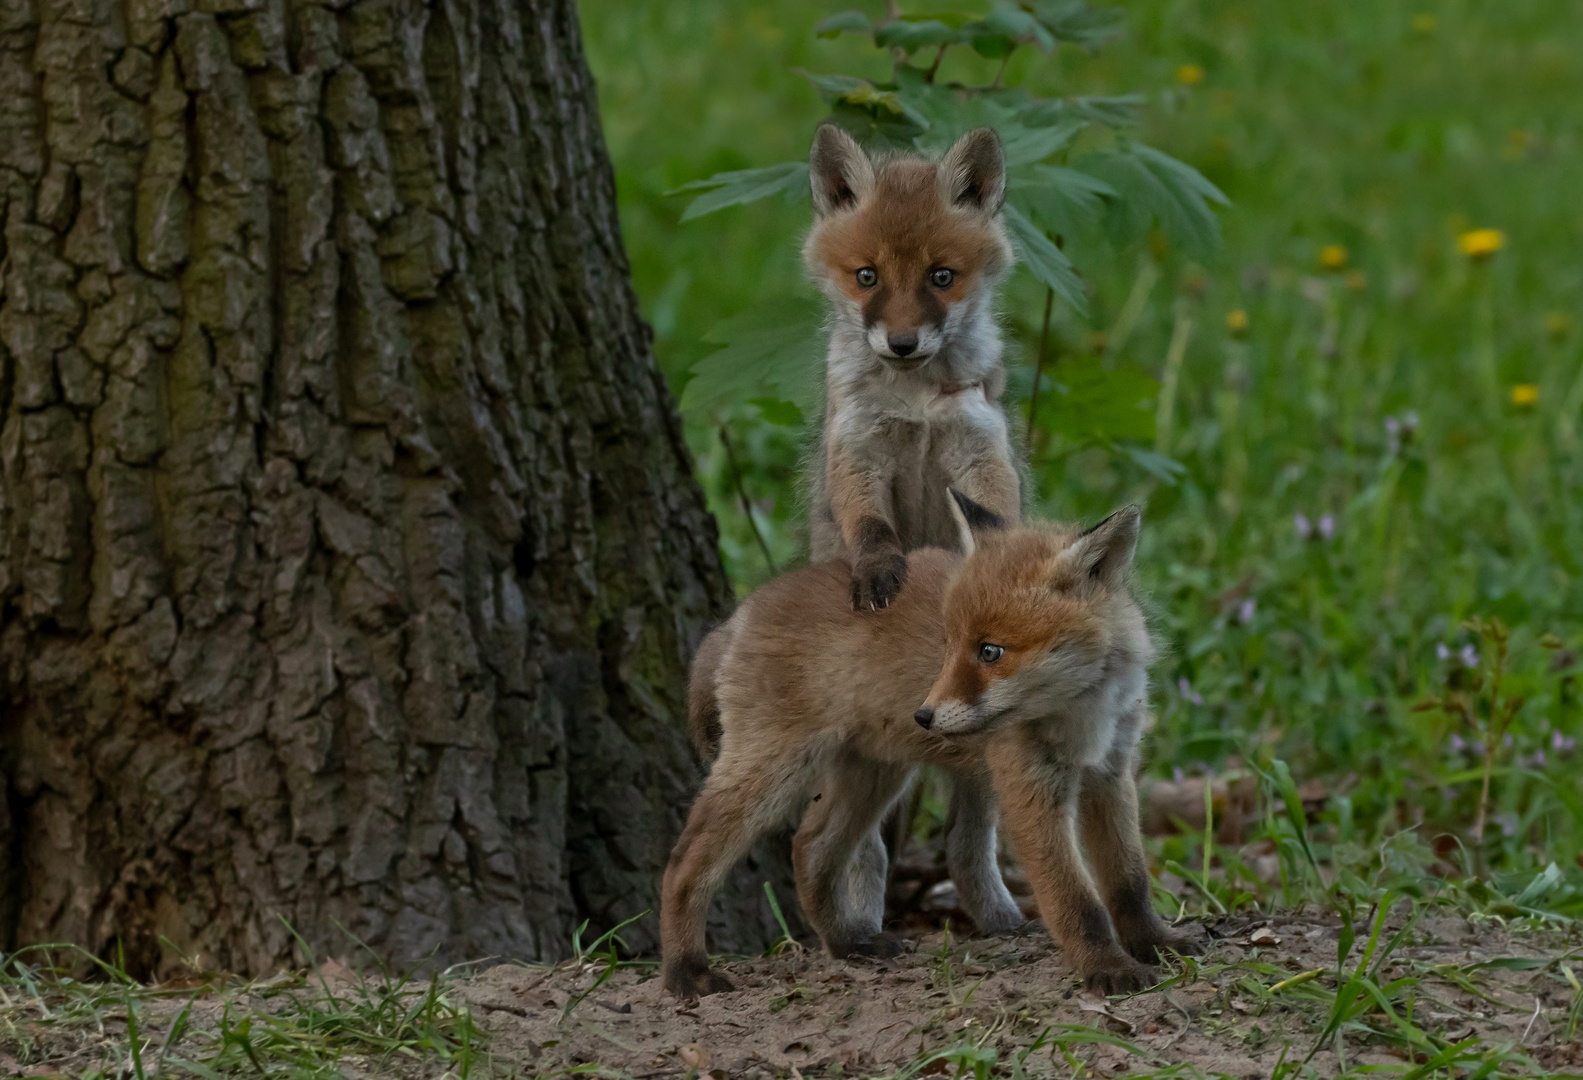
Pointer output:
1024, 662
909, 253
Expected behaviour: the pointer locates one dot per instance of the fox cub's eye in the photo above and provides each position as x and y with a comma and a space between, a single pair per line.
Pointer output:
943, 277
988, 654
866, 277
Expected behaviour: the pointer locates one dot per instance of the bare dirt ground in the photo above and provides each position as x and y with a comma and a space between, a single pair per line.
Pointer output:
802, 1013
960, 1006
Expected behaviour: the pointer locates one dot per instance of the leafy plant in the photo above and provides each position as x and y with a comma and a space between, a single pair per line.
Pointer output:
1074, 170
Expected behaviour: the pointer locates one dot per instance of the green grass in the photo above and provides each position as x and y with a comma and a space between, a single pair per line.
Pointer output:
64, 1011
1372, 398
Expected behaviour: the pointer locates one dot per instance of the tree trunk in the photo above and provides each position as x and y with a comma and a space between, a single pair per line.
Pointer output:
350, 557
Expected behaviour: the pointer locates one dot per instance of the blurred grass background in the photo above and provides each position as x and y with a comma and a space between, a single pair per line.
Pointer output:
1380, 431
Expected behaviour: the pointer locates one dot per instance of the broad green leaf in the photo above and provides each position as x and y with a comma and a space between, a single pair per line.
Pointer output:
1164, 469
842, 22
1086, 401
1075, 21
1019, 25
845, 90
773, 351
1156, 187
949, 111
911, 35
1060, 200
775, 411
833, 87
1043, 259
991, 46
1113, 112
1025, 145
744, 186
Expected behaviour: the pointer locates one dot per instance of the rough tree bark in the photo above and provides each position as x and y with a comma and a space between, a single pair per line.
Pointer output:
350, 557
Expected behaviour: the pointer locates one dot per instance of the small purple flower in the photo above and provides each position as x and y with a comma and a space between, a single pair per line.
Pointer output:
1304, 527
1458, 743
1393, 427
1539, 758
1508, 824
1507, 742
1176, 773
1246, 610
1557, 740
1442, 651
1478, 748
1327, 526
1189, 695
1469, 655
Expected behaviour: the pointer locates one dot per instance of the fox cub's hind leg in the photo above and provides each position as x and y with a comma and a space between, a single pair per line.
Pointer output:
1115, 850
742, 799
839, 857
971, 851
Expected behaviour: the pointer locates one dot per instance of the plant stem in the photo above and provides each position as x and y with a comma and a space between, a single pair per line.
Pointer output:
934, 68
1004, 60
1038, 367
1209, 827
742, 494
1484, 802
1173, 370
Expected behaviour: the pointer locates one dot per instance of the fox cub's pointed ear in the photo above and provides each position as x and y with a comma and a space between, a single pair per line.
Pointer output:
972, 518
973, 173
1104, 553
841, 173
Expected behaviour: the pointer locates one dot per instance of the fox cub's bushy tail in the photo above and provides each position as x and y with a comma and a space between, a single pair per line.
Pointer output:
703, 711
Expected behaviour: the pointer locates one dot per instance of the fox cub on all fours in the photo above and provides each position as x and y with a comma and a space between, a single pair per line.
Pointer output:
1024, 661
909, 253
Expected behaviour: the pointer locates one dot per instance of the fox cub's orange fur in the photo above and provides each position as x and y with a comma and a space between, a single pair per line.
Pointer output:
1026, 662
909, 253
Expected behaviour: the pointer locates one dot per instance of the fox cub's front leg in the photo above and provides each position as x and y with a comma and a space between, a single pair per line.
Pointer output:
1109, 816
861, 469
879, 567
1038, 798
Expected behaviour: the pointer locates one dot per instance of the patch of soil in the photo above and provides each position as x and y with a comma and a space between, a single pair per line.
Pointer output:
803, 1013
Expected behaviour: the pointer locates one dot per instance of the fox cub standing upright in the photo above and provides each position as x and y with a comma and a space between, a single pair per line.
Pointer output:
909, 253
1026, 662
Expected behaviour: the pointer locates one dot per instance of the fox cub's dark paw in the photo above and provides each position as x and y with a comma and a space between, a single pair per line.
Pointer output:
876, 579
690, 983
881, 945
1120, 975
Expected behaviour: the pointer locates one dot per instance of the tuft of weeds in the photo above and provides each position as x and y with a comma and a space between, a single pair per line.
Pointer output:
294, 1025
582, 958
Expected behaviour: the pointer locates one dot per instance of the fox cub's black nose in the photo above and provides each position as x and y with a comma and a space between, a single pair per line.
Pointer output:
924, 716
903, 346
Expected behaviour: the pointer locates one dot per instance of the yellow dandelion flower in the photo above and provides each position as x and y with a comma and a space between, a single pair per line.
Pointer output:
1237, 322
1357, 281
1423, 24
1557, 323
1480, 244
1189, 74
1332, 256
1525, 395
